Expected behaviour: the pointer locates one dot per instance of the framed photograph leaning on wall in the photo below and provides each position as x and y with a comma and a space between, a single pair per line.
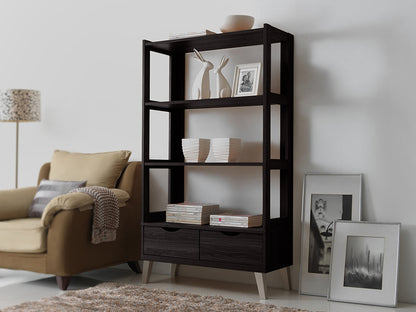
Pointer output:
365, 261
326, 199
246, 79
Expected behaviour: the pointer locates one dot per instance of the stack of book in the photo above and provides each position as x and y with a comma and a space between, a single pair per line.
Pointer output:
192, 213
244, 221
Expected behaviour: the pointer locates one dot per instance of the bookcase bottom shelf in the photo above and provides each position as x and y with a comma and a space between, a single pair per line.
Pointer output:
204, 227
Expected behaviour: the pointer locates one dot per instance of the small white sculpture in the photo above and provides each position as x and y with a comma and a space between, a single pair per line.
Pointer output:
200, 88
223, 88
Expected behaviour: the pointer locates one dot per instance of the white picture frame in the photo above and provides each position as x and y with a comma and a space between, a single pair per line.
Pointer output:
329, 197
246, 79
365, 263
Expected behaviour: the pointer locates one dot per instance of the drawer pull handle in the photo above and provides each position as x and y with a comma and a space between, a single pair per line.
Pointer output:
230, 233
168, 229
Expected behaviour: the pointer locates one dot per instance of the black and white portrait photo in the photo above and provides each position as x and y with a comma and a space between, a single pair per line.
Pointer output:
364, 260
325, 210
246, 82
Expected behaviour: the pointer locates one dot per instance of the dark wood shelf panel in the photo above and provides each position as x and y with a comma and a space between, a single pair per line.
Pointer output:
280, 99
236, 39
204, 227
275, 164
256, 100
207, 103
278, 164
168, 164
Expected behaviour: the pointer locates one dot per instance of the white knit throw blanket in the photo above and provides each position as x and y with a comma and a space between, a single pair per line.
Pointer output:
105, 213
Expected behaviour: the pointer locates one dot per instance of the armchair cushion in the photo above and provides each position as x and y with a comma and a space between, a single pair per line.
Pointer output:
23, 235
79, 201
15, 203
101, 169
49, 189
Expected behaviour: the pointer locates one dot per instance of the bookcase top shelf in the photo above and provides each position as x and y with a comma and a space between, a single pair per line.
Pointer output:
220, 41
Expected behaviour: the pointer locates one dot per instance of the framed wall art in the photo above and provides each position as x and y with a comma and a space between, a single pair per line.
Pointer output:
246, 79
326, 199
365, 261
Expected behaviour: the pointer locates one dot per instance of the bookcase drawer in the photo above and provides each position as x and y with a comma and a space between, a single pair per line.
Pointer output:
171, 242
231, 247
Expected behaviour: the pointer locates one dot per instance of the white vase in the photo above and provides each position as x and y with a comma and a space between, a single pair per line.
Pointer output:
226, 149
195, 150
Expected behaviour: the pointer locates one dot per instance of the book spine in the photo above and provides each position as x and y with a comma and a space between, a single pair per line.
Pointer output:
229, 218
236, 218
200, 207
187, 220
233, 224
183, 213
193, 205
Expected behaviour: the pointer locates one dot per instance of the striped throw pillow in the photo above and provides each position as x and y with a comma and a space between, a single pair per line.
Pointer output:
49, 189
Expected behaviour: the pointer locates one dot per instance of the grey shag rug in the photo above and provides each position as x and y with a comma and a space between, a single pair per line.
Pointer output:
127, 297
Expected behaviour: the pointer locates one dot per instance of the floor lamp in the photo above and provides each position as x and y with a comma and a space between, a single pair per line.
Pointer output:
18, 105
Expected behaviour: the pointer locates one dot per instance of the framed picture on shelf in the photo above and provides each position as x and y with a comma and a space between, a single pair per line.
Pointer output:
246, 79
365, 261
326, 199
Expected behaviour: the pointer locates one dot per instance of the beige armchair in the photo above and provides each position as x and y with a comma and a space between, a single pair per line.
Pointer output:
59, 243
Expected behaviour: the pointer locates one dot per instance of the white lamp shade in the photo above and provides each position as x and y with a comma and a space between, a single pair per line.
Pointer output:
19, 105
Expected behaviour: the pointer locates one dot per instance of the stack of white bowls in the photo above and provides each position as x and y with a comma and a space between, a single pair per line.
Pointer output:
226, 149
195, 150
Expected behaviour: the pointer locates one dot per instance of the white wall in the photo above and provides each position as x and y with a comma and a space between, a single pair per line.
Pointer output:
354, 91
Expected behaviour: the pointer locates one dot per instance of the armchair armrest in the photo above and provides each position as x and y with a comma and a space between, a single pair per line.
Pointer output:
79, 201
15, 203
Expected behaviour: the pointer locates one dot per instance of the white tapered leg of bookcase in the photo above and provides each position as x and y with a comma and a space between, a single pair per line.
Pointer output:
173, 270
285, 274
147, 270
261, 285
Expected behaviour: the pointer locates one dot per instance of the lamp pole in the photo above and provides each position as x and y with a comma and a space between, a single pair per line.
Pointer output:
17, 155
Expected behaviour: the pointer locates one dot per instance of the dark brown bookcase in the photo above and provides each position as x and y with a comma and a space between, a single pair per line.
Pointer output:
258, 250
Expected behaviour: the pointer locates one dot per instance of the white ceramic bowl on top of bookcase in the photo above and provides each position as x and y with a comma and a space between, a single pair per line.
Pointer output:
195, 150
226, 149
237, 23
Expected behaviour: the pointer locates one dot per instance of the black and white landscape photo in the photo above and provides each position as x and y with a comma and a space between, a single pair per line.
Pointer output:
364, 260
324, 211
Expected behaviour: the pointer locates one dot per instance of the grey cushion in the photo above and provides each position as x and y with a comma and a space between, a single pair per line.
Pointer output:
49, 189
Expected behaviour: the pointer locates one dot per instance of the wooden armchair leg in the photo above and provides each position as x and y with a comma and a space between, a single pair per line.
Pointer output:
134, 266
63, 282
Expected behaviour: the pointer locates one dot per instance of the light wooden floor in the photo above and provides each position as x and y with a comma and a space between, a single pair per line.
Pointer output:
20, 286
